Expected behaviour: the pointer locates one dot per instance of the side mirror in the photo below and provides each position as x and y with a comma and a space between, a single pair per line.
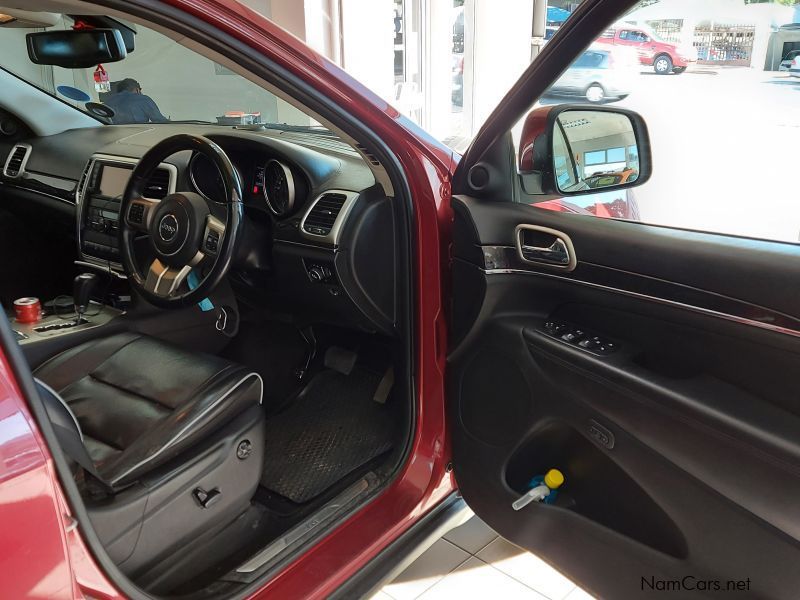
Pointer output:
76, 49
568, 150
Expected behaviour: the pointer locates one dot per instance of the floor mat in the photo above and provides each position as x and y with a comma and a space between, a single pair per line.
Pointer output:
333, 428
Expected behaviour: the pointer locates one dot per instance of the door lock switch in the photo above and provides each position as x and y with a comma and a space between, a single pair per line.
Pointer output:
601, 435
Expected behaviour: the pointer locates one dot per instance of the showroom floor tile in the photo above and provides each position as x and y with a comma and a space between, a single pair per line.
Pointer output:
472, 562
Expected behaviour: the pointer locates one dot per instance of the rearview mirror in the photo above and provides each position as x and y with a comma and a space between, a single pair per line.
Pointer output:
569, 150
76, 49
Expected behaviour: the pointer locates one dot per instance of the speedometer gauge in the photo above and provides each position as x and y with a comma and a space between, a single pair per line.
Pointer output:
278, 188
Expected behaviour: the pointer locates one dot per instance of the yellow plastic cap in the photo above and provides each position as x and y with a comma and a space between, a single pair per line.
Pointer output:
553, 479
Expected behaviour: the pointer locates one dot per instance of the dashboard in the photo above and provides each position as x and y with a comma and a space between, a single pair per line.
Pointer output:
319, 237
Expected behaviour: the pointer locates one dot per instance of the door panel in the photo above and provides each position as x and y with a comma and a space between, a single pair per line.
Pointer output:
679, 438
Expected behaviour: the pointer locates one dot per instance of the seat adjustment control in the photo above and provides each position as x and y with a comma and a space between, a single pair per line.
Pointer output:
207, 499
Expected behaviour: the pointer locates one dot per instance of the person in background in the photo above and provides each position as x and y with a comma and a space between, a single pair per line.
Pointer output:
130, 105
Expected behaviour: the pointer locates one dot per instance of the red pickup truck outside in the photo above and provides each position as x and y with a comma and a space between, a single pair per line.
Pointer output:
664, 57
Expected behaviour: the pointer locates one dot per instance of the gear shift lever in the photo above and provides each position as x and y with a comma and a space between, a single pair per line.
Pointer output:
83, 286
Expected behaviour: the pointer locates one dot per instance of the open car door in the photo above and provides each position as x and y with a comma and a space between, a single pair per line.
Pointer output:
656, 368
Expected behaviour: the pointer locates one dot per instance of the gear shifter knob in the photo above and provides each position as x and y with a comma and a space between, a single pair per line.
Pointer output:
82, 289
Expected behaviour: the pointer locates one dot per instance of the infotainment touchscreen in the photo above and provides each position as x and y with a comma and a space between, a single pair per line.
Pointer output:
113, 181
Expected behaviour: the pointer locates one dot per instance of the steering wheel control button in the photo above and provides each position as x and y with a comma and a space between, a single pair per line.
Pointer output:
168, 227
136, 214
212, 242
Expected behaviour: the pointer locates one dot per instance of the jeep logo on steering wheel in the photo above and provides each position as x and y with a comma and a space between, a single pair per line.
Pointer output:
168, 227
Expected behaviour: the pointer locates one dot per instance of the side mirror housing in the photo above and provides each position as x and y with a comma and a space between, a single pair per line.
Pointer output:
568, 150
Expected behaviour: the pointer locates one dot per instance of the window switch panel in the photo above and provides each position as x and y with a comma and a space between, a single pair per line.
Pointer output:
576, 336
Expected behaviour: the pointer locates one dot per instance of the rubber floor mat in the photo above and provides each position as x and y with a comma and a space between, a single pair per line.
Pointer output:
333, 428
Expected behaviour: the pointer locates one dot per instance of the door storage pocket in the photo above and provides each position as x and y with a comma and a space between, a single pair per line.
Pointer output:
595, 487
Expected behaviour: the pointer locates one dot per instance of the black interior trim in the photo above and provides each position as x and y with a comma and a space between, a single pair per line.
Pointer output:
677, 256
660, 291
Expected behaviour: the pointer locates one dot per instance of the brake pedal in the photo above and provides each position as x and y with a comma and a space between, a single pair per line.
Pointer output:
340, 360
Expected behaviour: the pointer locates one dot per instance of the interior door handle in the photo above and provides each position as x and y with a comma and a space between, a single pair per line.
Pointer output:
546, 247
556, 253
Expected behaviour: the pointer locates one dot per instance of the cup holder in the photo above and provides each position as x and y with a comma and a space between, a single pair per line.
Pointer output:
595, 487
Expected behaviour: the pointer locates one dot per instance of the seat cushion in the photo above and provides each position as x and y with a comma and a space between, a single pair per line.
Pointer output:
140, 401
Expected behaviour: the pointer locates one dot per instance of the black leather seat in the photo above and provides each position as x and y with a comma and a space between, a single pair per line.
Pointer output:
138, 402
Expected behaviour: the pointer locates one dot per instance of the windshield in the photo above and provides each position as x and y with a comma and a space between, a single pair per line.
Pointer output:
160, 81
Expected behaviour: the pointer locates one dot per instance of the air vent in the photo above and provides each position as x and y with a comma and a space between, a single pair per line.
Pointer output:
368, 155
157, 187
15, 165
322, 216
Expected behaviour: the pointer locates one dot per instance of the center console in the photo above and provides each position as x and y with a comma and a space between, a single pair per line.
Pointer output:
98, 200
53, 324
44, 329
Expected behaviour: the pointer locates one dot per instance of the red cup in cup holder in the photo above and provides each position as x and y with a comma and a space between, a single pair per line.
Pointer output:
28, 310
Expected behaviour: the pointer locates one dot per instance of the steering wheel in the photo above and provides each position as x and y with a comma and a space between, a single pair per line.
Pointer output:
184, 235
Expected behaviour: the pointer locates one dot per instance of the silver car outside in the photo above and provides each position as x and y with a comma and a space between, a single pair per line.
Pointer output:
599, 74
